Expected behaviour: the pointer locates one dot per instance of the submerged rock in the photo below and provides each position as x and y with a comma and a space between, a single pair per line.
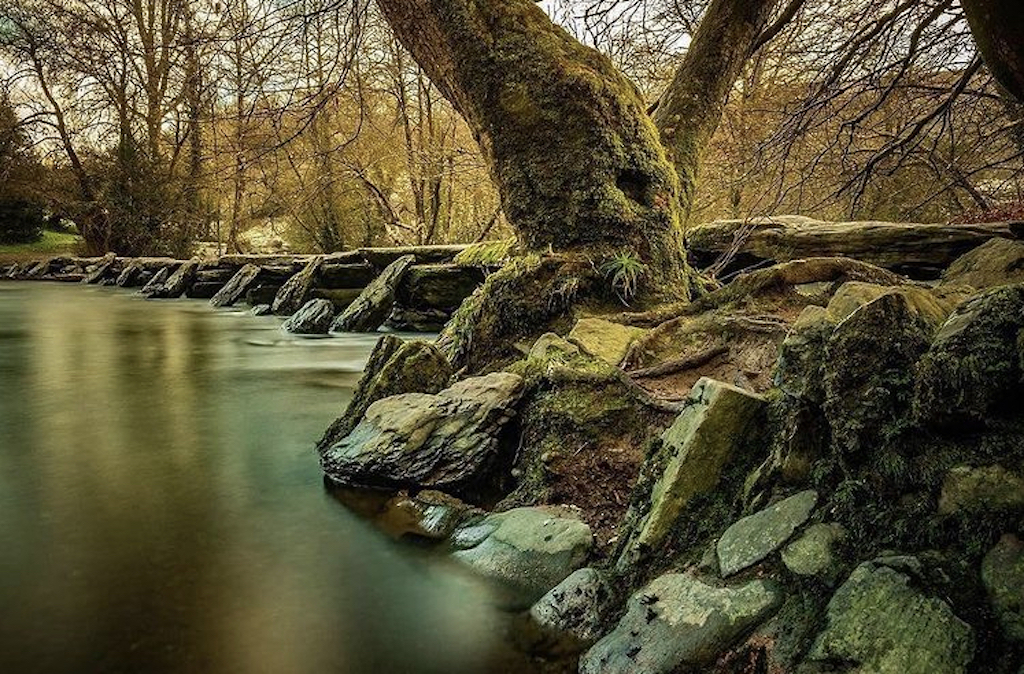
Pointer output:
369, 311
1002, 572
880, 622
445, 441
715, 422
314, 318
394, 367
296, 290
236, 287
574, 607
972, 371
260, 310
527, 551
604, 339
678, 623
753, 538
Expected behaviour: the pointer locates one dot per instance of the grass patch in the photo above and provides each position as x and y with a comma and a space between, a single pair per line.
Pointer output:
52, 244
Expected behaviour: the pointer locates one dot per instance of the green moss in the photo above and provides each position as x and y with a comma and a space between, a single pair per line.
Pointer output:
487, 253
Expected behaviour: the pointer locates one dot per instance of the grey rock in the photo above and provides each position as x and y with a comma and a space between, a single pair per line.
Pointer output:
130, 274
880, 623
987, 488
753, 538
369, 311
178, 282
236, 288
296, 290
445, 441
157, 281
100, 270
678, 623
314, 318
260, 310
996, 262
1002, 572
574, 607
394, 367
528, 551
812, 553
714, 424
429, 514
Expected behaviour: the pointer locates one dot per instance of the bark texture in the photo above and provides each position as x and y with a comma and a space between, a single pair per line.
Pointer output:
577, 161
691, 107
998, 28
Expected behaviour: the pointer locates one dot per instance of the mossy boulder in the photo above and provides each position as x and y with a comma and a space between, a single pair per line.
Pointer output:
695, 450
394, 367
996, 262
574, 609
868, 371
527, 551
881, 622
1002, 572
983, 489
972, 372
606, 340
813, 553
369, 311
679, 623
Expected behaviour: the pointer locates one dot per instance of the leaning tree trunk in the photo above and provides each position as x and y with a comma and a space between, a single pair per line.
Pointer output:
577, 161
691, 108
998, 28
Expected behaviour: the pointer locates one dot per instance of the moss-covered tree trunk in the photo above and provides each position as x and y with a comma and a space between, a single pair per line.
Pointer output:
577, 161
691, 108
998, 28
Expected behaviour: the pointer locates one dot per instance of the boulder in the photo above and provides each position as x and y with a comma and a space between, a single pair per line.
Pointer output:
236, 287
802, 355
678, 623
994, 263
178, 282
394, 367
813, 552
972, 371
314, 318
574, 607
753, 538
445, 441
438, 286
1002, 572
405, 319
715, 422
369, 311
983, 489
880, 622
604, 339
527, 551
430, 514
295, 291
260, 310
868, 370
99, 272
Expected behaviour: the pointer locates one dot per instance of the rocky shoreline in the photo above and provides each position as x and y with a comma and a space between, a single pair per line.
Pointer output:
817, 468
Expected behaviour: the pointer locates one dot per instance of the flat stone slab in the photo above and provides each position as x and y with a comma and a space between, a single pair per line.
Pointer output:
753, 538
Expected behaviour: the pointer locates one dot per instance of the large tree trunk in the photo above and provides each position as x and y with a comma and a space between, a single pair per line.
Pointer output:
998, 28
577, 161
691, 108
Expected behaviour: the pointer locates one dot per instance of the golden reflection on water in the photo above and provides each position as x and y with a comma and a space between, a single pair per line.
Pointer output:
161, 508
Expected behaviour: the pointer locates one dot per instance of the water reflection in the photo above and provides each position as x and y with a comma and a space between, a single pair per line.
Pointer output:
161, 511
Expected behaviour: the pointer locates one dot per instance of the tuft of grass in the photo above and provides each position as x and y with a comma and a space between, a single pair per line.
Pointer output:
625, 272
487, 253
52, 244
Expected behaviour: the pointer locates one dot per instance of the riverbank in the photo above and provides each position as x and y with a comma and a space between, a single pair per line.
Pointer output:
821, 462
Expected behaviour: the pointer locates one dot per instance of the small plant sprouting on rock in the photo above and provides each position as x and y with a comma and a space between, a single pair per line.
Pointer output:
624, 271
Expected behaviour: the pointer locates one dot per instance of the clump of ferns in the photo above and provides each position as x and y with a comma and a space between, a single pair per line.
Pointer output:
625, 273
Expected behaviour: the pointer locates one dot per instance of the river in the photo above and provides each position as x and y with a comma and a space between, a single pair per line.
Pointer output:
161, 507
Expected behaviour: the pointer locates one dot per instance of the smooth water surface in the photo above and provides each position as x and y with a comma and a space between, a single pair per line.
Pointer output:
161, 507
